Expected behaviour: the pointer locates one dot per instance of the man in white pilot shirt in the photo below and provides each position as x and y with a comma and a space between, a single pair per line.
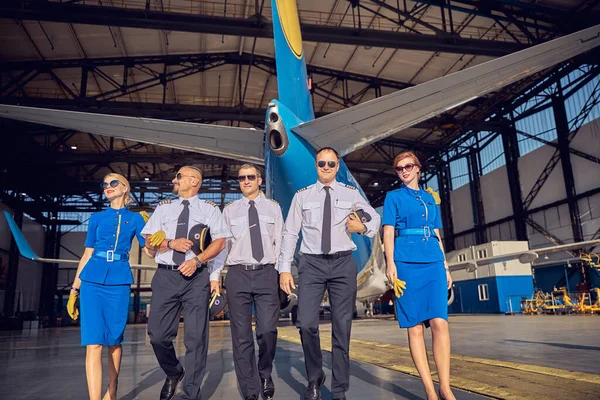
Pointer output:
255, 223
324, 213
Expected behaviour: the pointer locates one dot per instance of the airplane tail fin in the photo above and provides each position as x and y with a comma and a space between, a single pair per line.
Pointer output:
292, 80
24, 247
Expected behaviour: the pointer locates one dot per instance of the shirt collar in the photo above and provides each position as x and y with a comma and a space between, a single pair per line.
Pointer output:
193, 200
320, 186
257, 200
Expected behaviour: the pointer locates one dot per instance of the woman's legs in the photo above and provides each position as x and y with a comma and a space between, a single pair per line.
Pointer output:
441, 354
418, 352
114, 365
93, 370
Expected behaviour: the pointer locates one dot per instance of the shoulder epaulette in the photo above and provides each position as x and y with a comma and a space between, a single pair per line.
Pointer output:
274, 201
167, 201
210, 202
303, 189
228, 204
349, 186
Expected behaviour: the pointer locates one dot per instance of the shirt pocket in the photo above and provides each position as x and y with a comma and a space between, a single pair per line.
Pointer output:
267, 224
239, 227
170, 226
311, 213
342, 210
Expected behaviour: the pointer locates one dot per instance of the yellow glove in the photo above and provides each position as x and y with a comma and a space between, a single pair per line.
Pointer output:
71, 307
157, 238
399, 287
145, 215
436, 195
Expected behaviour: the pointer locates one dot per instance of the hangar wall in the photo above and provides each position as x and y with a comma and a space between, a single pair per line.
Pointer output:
555, 219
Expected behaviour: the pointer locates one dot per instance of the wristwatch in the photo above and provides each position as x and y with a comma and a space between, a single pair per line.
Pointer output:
169, 245
198, 262
364, 232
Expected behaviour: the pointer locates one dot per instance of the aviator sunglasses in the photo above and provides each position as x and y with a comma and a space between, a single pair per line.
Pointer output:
113, 184
242, 178
407, 167
331, 164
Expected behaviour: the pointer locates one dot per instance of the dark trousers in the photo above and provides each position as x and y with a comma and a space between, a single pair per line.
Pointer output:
243, 289
338, 276
172, 295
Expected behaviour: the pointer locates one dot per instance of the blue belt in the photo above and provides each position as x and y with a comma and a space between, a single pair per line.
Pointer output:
426, 232
110, 256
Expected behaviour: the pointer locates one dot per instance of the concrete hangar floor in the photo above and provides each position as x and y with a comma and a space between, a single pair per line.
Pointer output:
493, 356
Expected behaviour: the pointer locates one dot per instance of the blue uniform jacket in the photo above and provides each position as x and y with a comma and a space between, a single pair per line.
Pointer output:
407, 208
102, 237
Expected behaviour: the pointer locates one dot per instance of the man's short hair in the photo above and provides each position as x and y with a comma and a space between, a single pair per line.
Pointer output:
194, 168
248, 166
334, 151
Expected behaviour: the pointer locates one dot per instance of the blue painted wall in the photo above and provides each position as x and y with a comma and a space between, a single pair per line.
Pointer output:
500, 290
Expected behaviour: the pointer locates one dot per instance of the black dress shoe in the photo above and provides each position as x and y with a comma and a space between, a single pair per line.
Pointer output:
268, 388
251, 397
170, 387
313, 391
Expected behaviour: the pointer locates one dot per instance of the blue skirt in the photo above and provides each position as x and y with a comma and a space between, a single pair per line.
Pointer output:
426, 293
103, 313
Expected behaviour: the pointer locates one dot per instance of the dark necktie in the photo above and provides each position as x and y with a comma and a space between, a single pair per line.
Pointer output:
326, 231
182, 231
255, 234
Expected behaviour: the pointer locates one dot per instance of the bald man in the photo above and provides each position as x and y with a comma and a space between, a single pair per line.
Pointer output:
184, 281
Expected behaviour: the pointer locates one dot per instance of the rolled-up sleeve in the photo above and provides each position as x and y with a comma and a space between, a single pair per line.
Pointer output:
154, 224
290, 236
218, 226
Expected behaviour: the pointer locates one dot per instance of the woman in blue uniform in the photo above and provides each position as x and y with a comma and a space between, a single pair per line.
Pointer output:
103, 278
415, 255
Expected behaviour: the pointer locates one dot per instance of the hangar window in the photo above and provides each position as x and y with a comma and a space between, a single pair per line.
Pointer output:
459, 172
482, 253
483, 292
462, 257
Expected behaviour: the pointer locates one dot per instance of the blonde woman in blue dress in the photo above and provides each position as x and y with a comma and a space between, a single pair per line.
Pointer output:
103, 278
415, 255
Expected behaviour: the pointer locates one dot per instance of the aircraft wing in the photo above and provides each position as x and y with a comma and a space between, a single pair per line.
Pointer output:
358, 126
244, 144
27, 252
524, 257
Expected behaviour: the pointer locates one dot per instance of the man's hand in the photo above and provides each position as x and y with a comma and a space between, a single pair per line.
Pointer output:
286, 282
188, 268
181, 245
354, 224
214, 287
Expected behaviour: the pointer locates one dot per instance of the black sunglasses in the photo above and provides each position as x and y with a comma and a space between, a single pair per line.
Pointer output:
407, 167
331, 164
113, 184
242, 178
180, 175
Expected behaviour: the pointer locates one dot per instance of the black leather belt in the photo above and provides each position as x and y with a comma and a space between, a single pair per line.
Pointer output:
174, 267
251, 267
332, 256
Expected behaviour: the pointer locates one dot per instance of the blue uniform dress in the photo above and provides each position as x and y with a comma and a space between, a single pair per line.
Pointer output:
418, 256
106, 278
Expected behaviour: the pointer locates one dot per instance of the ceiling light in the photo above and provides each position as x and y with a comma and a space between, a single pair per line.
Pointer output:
376, 184
73, 147
146, 179
23, 194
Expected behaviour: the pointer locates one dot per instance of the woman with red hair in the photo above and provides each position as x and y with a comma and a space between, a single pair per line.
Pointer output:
417, 267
